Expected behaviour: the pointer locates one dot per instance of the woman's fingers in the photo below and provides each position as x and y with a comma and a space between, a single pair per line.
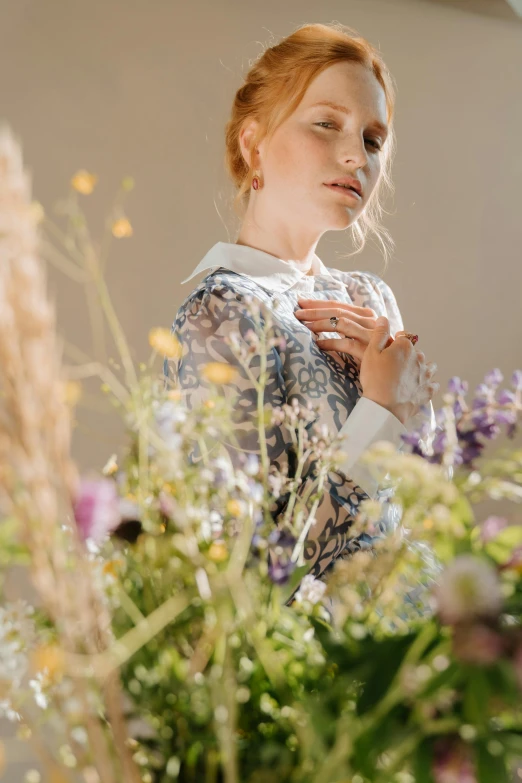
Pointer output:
342, 345
346, 327
321, 304
428, 370
426, 392
319, 319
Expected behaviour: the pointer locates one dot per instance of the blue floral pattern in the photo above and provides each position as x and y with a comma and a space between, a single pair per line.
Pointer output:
299, 371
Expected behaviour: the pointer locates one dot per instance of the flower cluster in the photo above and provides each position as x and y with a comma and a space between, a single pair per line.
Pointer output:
463, 430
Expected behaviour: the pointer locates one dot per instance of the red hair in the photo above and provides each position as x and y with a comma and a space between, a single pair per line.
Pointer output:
275, 85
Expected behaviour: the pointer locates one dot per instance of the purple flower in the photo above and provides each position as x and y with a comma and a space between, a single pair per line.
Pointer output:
506, 397
480, 417
482, 392
412, 439
493, 378
280, 566
506, 417
97, 508
279, 570
281, 538
516, 380
456, 386
475, 424
439, 441
458, 409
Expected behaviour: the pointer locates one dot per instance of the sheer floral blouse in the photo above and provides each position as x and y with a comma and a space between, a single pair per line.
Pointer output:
302, 371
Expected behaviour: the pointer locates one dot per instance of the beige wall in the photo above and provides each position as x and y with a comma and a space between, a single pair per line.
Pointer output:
144, 88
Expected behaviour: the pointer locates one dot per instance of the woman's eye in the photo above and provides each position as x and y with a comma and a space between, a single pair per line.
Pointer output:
375, 144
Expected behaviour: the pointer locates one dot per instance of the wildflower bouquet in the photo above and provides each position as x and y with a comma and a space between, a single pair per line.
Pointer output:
173, 633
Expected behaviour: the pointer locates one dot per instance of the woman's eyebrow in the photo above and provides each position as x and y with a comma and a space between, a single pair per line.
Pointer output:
339, 107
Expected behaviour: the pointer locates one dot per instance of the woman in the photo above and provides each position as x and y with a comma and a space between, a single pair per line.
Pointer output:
315, 109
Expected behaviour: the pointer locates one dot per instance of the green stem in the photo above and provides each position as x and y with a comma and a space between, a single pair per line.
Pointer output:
124, 648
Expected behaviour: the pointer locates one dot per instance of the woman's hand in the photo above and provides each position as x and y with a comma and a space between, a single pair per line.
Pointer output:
396, 376
355, 323
411, 384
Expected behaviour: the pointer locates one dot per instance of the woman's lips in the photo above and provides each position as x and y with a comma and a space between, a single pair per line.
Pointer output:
348, 192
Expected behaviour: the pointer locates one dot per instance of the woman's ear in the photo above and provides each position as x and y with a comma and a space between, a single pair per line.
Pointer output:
246, 140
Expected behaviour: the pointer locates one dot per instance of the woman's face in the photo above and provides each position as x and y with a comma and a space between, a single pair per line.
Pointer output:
318, 144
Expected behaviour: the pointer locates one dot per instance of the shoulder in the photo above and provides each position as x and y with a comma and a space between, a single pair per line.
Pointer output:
221, 295
366, 289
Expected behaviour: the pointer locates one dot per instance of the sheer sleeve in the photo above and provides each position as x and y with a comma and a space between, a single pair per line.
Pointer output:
391, 308
426, 415
201, 326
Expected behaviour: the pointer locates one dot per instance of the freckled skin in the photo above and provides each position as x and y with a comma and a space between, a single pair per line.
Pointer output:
292, 210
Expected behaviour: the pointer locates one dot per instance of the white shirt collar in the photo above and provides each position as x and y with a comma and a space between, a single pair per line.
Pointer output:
261, 267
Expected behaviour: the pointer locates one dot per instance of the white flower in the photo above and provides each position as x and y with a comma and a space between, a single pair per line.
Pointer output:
468, 588
256, 492
37, 686
212, 527
310, 589
252, 465
17, 635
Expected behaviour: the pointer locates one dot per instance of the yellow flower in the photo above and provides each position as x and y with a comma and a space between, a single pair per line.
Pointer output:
72, 392
122, 228
427, 524
174, 394
234, 507
164, 342
218, 372
23, 732
111, 466
110, 568
217, 552
84, 182
49, 657
209, 404
169, 488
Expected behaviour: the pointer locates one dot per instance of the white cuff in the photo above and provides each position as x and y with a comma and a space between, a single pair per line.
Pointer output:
368, 423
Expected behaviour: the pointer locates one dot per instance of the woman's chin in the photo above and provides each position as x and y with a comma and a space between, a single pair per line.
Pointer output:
341, 220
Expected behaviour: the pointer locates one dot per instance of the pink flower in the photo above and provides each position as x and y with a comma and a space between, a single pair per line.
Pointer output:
167, 504
453, 762
491, 527
477, 644
97, 508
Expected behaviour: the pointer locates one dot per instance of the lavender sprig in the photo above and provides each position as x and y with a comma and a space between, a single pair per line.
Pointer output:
463, 430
